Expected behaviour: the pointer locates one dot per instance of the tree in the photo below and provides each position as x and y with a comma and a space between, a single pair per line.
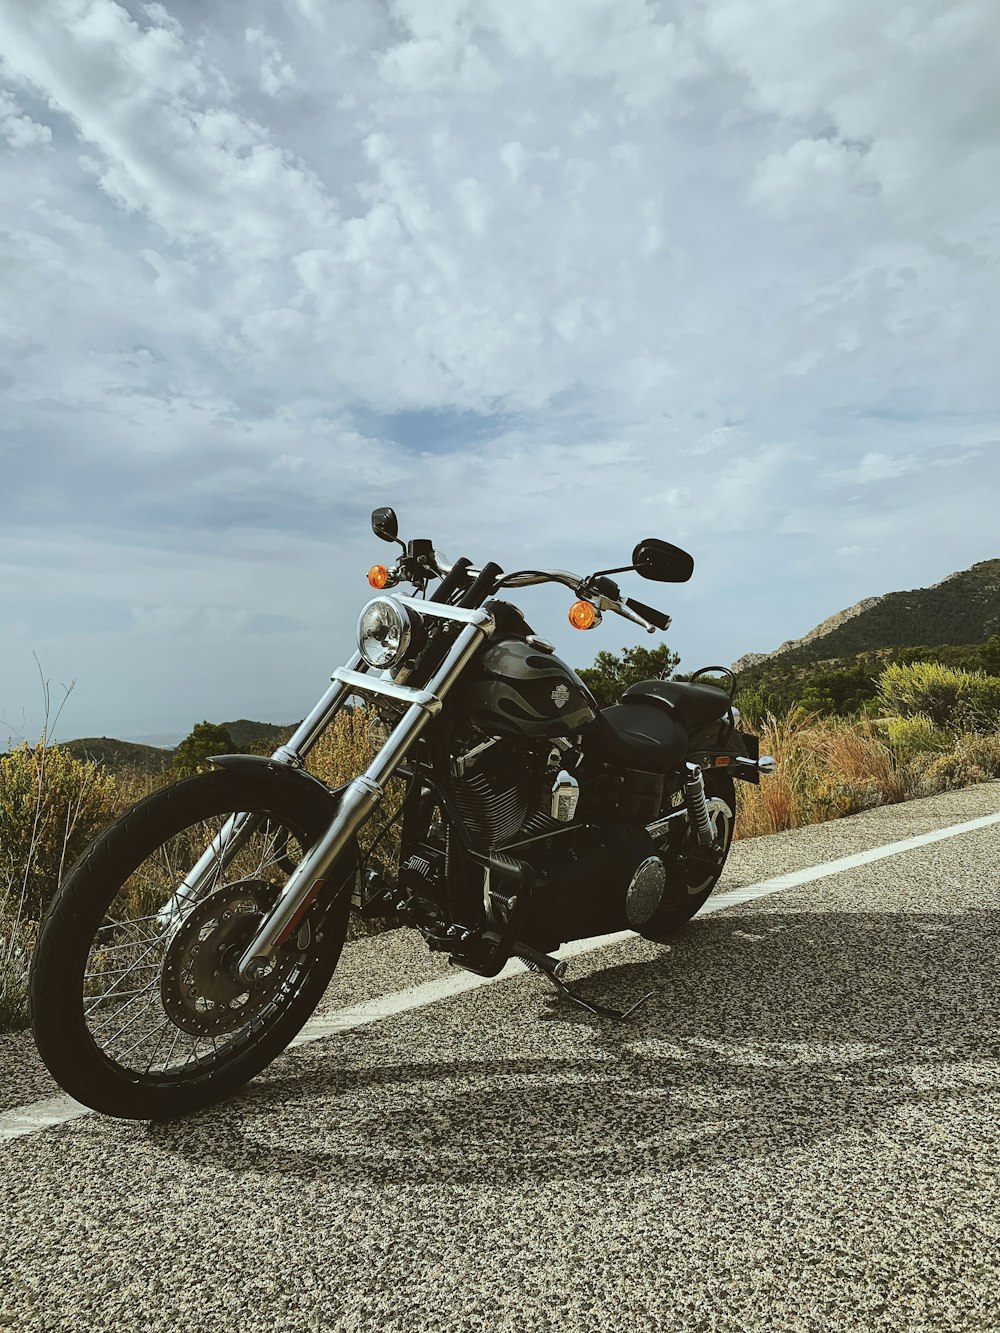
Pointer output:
192, 755
611, 675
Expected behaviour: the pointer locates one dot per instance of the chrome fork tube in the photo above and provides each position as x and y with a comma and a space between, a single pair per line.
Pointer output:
358, 802
312, 727
239, 828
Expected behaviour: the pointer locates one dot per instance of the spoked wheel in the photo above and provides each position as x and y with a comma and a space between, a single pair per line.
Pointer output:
692, 870
136, 1006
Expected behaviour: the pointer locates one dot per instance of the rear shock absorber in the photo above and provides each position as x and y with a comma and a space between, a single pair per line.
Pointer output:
694, 793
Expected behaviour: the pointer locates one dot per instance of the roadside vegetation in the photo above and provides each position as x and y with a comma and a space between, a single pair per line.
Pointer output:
926, 728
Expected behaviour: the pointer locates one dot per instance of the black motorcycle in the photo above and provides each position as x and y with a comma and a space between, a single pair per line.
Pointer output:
194, 938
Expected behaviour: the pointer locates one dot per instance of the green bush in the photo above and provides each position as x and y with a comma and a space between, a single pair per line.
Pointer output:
192, 755
909, 736
965, 700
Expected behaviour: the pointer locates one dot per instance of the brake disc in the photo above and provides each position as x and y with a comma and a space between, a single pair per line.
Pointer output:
200, 990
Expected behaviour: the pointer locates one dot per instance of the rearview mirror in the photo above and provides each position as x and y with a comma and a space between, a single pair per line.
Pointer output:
385, 524
661, 561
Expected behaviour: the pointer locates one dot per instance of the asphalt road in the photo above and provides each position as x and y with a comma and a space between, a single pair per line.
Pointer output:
800, 1130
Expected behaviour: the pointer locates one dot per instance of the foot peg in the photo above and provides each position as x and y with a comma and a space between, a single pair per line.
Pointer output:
553, 969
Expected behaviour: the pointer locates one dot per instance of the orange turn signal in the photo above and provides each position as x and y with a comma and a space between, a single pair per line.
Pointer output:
583, 615
378, 576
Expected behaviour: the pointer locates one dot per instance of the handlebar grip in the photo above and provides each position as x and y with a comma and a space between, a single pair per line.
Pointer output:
456, 578
658, 618
484, 586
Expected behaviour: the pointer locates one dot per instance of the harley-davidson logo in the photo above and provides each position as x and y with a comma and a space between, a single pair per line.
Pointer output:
560, 696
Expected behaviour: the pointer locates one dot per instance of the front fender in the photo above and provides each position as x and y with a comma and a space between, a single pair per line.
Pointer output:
256, 765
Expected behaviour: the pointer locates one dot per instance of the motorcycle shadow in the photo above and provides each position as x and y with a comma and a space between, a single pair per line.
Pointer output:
764, 1034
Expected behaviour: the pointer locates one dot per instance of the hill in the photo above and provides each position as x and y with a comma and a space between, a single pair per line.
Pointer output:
249, 735
964, 608
119, 755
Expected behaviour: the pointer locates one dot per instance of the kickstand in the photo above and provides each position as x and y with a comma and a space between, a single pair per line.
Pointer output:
601, 1010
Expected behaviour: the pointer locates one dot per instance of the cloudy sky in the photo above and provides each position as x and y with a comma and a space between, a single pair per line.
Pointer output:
547, 277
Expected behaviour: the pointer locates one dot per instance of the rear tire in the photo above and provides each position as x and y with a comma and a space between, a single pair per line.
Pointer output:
140, 1019
688, 889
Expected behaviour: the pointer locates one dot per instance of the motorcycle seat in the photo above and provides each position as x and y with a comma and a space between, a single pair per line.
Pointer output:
694, 705
639, 736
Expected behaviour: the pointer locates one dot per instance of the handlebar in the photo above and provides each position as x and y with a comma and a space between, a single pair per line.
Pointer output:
645, 616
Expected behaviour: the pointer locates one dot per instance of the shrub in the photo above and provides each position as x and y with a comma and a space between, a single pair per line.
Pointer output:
51, 807
972, 759
949, 697
909, 736
192, 755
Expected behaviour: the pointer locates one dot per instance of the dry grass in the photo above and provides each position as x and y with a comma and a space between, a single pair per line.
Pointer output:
828, 767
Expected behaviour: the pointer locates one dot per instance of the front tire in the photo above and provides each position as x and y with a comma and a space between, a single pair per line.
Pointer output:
135, 1013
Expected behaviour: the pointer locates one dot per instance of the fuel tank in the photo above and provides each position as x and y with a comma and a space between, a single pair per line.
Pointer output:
520, 690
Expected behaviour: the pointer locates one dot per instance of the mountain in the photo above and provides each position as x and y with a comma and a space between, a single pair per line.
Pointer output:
117, 755
963, 608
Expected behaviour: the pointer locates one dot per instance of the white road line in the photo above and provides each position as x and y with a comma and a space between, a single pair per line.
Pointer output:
40, 1115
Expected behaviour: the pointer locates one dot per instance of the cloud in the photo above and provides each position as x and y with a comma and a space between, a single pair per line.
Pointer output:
549, 278
19, 130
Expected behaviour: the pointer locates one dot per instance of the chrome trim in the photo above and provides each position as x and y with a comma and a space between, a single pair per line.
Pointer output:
444, 568
694, 793
284, 754
662, 825
462, 761
404, 694
443, 611
766, 764
322, 714
533, 577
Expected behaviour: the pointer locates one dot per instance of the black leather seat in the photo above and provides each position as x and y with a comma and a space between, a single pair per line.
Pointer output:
637, 735
694, 705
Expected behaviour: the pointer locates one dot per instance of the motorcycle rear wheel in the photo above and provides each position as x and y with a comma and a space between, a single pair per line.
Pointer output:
690, 886
134, 1008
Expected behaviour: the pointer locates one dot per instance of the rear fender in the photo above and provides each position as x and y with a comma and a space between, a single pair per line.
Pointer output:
709, 755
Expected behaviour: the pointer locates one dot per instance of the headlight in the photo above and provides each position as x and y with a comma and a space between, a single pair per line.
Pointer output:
384, 632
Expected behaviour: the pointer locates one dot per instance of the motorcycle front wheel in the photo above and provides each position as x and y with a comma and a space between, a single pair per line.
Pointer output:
135, 1007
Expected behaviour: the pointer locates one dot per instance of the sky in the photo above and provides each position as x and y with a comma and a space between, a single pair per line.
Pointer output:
546, 278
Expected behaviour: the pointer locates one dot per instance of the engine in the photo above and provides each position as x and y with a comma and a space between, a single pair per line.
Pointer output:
503, 792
